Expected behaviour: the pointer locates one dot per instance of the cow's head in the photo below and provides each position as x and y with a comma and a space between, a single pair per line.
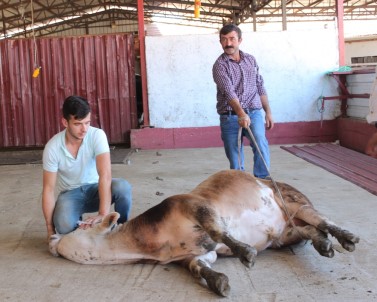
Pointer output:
105, 226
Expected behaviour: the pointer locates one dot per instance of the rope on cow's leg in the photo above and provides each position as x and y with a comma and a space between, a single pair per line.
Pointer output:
298, 210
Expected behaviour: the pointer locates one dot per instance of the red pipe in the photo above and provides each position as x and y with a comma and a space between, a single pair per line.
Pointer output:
143, 65
339, 17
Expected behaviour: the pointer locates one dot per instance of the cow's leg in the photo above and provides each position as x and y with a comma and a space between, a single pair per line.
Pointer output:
217, 282
200, 267
300, 207
313, 217
212, 224
319, 239
344, 237
243, 251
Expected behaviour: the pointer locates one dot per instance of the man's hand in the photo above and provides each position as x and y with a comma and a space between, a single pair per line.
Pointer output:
90, 222
269, 122
371, 147
244, 121
50, 231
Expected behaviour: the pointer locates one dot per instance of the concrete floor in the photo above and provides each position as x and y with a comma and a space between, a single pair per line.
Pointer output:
29, 273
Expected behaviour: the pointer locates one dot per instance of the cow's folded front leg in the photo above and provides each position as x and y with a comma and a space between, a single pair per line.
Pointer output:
209, 221
243, 251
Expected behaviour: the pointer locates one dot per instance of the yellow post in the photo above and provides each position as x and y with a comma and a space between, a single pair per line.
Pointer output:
197, 8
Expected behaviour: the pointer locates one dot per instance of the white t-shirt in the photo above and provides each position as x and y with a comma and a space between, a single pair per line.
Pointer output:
75, 172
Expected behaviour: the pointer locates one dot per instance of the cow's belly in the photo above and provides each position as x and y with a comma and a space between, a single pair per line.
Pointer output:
258, 225
259, 228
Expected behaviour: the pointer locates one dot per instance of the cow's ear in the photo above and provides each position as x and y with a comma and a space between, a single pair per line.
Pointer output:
110, 220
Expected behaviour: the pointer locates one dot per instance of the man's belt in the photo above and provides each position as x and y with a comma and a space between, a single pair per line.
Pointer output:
231, 112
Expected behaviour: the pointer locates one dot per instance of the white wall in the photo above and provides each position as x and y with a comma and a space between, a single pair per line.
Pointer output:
359, 84
182, 92
365, 46
360, 47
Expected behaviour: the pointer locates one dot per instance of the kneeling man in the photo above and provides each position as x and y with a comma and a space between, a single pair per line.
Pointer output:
77, 161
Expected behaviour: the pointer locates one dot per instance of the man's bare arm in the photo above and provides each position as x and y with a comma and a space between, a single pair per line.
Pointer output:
48, 200
267, 110
103, 163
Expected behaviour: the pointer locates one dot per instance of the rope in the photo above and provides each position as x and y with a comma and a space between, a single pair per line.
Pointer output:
36, 67
320, 104
284, 207
33, 33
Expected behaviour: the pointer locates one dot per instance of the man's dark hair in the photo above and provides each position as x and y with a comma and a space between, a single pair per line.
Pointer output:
229, 28
75, 106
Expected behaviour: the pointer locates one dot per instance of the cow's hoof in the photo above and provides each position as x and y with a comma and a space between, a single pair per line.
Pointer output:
247, 255
324, 247
329, 254
348, 240
217, 282
345, 238
348, 245
222, 286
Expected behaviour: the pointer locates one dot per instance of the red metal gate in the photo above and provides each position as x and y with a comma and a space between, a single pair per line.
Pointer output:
100, 68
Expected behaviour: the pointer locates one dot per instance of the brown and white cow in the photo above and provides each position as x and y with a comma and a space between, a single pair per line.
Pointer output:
230, 213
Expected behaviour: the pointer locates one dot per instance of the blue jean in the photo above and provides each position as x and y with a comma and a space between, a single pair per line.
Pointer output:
229, 134
72, 204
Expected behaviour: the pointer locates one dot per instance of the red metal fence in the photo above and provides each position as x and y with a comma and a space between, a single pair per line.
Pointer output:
100, 68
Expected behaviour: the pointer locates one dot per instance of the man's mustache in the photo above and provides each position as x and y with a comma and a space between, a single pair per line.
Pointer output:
227, 47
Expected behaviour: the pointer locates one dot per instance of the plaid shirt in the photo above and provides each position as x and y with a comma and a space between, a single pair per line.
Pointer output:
238, 80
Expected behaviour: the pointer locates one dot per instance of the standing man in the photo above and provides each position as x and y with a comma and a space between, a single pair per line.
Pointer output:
240, 97
77, 161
